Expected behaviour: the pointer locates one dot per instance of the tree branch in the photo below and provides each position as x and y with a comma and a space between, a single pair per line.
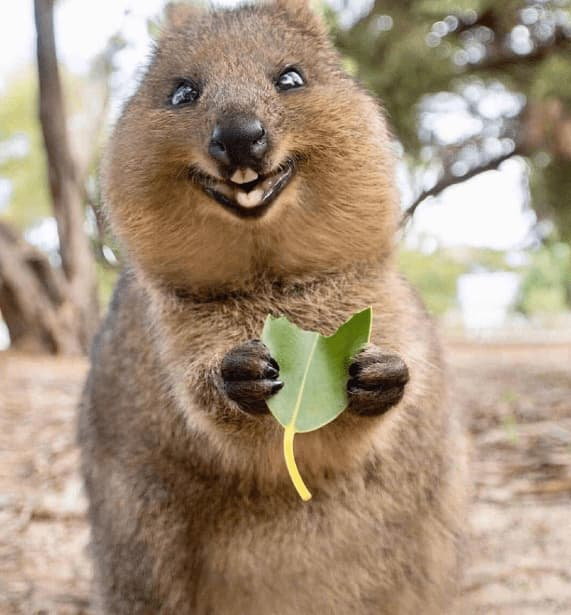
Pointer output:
509, 60
451, 180
488, 19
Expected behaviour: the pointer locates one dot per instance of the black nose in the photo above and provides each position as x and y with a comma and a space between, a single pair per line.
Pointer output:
239, 142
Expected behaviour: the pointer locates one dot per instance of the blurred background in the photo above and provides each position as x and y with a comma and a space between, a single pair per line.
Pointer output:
478, 95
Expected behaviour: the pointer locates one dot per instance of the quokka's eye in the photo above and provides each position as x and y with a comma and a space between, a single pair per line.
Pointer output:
184, 94
290, 79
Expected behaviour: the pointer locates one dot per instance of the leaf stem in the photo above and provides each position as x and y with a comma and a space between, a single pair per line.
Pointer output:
294, 474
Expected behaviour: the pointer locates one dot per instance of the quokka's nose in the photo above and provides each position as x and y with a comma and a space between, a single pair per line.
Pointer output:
239, 142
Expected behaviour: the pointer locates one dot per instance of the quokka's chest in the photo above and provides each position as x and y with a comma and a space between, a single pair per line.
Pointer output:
243, 317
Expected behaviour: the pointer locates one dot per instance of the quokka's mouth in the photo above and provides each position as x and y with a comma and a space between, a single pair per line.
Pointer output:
246, 194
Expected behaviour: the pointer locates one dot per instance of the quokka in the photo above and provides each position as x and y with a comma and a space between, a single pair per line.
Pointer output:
250, 175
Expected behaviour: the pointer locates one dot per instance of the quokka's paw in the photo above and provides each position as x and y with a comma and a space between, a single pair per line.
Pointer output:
250, 376
377, 381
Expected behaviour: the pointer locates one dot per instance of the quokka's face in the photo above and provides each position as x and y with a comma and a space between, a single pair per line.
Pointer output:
229, 101
233, 93
246, 120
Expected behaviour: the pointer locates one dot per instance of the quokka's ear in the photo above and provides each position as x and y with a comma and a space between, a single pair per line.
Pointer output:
297, 7
301, 9
294, 4
177, 14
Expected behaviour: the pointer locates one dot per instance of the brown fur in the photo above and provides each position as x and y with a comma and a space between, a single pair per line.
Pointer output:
190, 504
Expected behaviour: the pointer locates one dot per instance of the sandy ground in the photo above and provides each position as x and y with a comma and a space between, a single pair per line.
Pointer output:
517, 403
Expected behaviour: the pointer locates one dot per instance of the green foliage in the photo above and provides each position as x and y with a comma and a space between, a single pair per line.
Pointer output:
406, 50
106, 278
546, 285
396, 63
551, 191
29, 201
546, 280
490, 260
435, 276
22, 154
551, 80
435, 8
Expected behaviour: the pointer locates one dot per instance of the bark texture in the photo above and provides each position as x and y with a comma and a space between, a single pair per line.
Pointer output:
34, 299
66, 190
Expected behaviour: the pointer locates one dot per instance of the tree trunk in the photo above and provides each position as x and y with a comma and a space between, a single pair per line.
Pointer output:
67, 194
34, 299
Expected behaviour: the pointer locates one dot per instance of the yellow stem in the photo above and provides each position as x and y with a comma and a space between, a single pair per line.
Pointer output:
294, 474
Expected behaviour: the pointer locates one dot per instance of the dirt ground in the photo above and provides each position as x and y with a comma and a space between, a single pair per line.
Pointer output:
517, 403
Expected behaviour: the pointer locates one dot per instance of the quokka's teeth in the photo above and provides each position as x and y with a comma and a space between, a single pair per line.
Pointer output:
244, 176
250, 199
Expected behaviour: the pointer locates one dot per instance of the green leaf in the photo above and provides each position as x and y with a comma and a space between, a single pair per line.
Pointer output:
314, 369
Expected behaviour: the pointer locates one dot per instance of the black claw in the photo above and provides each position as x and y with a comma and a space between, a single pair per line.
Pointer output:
271, 372
277, 386
354, 369
250, 376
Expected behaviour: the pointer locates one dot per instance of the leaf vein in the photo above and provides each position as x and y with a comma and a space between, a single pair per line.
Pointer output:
303, 382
